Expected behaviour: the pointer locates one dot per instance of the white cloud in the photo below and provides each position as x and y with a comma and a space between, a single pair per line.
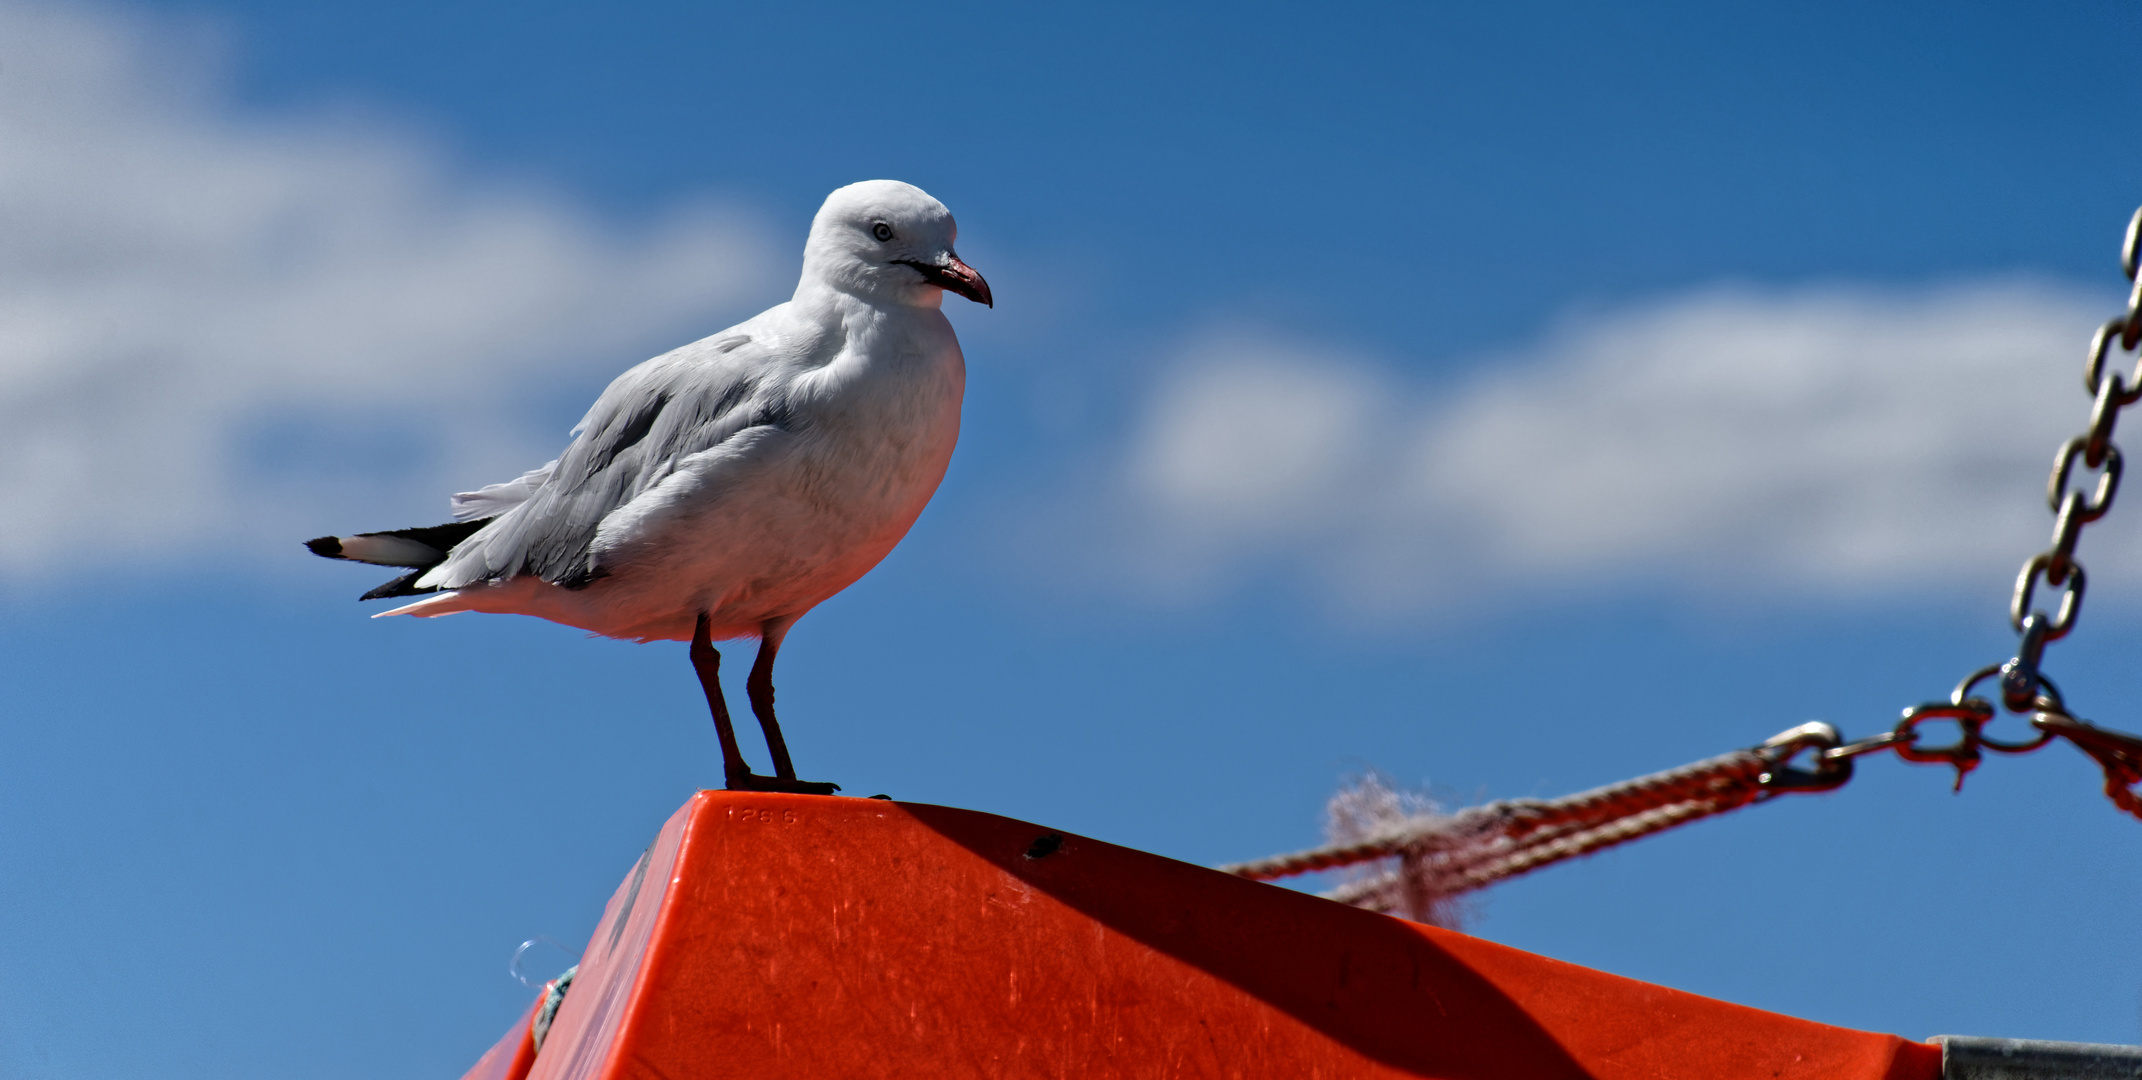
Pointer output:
188, 289
1252, 440
1825, 440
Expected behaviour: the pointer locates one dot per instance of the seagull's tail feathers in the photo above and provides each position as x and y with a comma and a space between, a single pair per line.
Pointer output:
419, 549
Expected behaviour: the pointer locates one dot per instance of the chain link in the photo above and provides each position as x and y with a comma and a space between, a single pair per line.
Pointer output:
1442, 856
2025, 690
2072, 509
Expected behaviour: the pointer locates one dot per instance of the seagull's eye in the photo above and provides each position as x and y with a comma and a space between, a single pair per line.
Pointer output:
882, 231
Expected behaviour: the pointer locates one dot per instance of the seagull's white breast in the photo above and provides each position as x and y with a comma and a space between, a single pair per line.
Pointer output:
778, 518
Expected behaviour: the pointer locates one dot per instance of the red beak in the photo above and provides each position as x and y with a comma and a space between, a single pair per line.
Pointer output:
955, 276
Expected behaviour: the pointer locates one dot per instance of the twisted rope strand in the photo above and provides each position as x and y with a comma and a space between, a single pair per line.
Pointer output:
1484, 844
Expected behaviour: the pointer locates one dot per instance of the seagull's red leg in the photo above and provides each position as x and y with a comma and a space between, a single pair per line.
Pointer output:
760, 688
738, 776
708, 663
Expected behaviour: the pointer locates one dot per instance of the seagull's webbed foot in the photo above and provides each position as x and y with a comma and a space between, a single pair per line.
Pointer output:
751, 781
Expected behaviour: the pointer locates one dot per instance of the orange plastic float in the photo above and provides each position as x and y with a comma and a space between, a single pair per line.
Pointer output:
810, 936
512, 1057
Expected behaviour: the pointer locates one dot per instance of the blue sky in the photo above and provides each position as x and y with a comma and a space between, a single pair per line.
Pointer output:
1513, 400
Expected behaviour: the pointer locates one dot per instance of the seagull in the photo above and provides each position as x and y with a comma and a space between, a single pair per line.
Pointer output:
720, 491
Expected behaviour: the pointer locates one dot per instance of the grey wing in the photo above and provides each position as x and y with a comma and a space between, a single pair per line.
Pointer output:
643, 425
492, 500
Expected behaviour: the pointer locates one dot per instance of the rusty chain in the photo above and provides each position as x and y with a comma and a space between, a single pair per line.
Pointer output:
2025, 691
1438, 855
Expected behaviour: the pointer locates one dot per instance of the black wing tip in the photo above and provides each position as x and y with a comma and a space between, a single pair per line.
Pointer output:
401, 586
326, 547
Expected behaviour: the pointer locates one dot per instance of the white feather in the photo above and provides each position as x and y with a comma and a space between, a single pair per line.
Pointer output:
389, 551
495, 499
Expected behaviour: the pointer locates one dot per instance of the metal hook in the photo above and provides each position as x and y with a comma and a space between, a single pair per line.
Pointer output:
513, 967
1829, 772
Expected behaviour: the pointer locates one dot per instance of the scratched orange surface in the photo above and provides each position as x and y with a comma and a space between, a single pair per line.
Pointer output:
806, 936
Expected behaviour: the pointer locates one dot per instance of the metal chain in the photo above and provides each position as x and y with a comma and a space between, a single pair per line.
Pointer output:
2025, 690
1434, 857
2072, 508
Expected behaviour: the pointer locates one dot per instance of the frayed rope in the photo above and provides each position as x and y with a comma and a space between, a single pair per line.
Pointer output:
1421, 859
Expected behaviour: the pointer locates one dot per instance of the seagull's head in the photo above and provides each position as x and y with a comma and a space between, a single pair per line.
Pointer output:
887, 240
